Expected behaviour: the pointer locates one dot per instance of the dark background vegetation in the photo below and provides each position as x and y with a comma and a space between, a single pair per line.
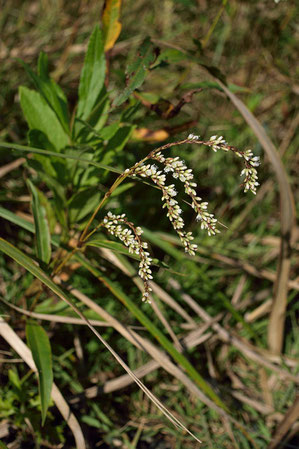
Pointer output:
254, 45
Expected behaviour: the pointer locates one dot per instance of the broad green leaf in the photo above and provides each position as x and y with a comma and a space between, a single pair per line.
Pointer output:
41, 226
3, 446
111, 24
137, 71
39, 115
92, 75
50, 91
85, 177
39, 343
155, 332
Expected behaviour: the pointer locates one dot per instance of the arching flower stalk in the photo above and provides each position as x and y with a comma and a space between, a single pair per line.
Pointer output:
123, 229
251, 161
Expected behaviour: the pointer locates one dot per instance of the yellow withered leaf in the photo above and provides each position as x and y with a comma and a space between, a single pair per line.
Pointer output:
148, 135
111, 24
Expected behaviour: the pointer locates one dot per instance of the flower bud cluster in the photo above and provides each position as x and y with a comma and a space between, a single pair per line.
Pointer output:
168, 197
251, 161
218, 143
250, 180
121, 228
193, 137
180, 171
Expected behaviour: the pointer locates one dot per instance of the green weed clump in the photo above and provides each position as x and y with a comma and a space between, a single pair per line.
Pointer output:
96, 170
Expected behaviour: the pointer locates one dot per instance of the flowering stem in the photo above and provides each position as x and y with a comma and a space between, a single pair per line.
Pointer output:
118, 181
214, 143
131, 238
120, 227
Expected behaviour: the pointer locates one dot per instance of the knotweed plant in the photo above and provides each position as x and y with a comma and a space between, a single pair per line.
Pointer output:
159, 173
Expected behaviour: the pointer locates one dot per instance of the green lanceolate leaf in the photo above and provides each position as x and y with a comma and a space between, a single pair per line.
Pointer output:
50, 91
39, 344
15, 219
137, 71
43, 238
53, 92
39, 115
92, 75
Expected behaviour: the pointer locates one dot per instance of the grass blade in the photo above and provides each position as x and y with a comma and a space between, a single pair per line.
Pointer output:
27, 149
39, 344
15, 219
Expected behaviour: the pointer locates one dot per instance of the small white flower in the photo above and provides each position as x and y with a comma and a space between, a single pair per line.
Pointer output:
193, 137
